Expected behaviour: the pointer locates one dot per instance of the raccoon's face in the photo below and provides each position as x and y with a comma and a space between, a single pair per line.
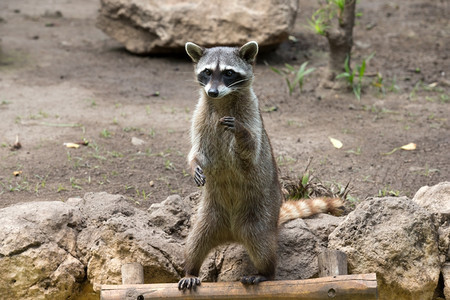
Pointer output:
223, 70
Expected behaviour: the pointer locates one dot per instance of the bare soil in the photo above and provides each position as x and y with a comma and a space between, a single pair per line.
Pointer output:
62, 80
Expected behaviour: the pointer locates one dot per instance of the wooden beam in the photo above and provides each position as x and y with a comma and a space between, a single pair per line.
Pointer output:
348, 287
132, 273
332, 263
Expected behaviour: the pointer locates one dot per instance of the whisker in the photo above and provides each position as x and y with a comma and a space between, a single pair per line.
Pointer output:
239, 81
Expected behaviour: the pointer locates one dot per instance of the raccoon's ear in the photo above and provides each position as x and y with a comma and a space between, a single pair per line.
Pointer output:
248, 52
194, 51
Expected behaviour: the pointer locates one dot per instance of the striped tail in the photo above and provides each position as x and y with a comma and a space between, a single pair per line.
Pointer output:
293, 209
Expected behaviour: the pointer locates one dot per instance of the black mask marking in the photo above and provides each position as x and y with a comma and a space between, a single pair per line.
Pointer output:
204, 76
229, 77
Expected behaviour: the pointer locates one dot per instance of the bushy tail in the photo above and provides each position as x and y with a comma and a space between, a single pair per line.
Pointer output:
293, 209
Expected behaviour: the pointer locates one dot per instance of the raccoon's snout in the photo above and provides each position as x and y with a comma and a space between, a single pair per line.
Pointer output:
213, 92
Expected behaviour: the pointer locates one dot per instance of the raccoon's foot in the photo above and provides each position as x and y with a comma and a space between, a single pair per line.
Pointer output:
253, 279
188, 282
228, 122
199, 178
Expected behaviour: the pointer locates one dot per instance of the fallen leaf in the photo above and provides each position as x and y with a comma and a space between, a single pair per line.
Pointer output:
336, 143
72, 145
409, 147
17, 173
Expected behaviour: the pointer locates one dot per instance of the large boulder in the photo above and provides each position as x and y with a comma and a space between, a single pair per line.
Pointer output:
152, 26
116, 233
395, 238
38, 255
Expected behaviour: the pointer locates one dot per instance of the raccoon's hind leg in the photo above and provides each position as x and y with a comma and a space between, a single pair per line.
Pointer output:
261, 247
207, 233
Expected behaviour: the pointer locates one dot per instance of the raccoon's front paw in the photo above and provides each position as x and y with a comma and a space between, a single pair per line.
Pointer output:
199, 178
228, 122
188, 282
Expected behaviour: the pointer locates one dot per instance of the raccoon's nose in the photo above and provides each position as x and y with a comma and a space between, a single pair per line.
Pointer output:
213, 93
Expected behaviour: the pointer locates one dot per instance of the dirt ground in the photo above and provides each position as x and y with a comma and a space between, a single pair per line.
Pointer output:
62, 80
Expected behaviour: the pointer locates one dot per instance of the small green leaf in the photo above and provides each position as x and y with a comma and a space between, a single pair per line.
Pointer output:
305, 179
291, 68
343, 75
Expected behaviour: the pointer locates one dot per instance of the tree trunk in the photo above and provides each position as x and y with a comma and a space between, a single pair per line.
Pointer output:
340, 39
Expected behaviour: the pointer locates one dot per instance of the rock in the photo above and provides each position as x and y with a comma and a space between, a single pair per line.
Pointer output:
446, 275
173, 214
322, 225
298, 248
436, 199
117, 233
165, 26
38, 251
395, 238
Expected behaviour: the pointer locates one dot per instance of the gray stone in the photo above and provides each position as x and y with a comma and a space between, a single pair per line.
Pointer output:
395, 238
446, 275
436, 198
298, 248
117, 233
173, 215
38, 251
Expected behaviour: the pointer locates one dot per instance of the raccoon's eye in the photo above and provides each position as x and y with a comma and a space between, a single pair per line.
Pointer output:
207, 72
229, 73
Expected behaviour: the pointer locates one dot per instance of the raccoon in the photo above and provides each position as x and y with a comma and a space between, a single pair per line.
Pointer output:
231, 156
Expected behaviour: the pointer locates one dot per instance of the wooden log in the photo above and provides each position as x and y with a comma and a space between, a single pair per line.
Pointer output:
348, 287
132, 273
332, 263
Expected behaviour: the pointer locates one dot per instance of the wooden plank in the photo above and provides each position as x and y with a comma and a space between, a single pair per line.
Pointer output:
332, 263
132, 273
349, 287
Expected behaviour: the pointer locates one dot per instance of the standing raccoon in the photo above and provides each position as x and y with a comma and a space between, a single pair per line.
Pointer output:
232, 157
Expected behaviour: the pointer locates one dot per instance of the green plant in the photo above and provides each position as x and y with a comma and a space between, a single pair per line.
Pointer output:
168, 165
379, 83
416, 88
340, 4
292, 76
319, 22
60, 188
105, 133
74, 183
386, 192
394, 87
355, 77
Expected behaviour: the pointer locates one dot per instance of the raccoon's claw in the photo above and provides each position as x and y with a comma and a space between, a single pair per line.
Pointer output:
199, 178
228, 122
188, 283
253, 279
